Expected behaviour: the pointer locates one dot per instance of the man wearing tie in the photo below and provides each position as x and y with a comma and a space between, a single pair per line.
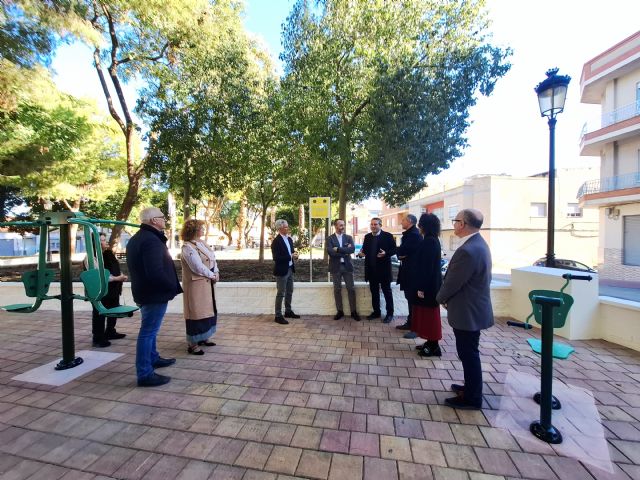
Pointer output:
340, 247
466, 295
377, 249
284, 256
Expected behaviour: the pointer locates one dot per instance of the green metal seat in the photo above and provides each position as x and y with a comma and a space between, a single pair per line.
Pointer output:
559, 313
93, 286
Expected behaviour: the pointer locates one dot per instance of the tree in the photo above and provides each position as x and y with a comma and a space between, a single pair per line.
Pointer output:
132, 38
380, 91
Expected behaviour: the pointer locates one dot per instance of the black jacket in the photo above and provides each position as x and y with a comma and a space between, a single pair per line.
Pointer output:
281, 256
425, 273
151, 270
111, 263
409, 242
378, 268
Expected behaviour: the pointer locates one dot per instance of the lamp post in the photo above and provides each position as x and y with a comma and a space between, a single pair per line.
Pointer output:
552, 93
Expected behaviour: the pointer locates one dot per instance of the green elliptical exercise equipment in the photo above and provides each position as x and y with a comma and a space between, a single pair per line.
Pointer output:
95, 279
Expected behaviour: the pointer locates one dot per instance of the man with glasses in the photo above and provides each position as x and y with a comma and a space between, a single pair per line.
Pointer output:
377, 249
154, 282
466, 295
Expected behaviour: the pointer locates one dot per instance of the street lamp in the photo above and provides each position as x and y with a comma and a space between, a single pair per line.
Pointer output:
552, 92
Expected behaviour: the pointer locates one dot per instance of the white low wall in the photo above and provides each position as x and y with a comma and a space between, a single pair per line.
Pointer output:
259, 297
620, 322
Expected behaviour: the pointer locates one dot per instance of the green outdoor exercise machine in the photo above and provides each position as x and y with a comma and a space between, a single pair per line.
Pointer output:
550, 310
95, 279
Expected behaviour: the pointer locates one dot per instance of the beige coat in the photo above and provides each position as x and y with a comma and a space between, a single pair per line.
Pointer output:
198, 299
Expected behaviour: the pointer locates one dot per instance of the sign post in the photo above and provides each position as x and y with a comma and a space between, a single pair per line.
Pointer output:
319, 207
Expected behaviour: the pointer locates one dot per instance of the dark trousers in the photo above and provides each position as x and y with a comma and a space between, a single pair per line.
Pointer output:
374, 286
97, 325
467, 344
408, 297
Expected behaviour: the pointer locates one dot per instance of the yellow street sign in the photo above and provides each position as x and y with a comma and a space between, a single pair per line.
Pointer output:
320, 207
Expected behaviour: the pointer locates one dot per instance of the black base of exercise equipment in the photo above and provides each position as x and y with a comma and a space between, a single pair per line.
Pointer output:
555, 403
62, 365
548, 434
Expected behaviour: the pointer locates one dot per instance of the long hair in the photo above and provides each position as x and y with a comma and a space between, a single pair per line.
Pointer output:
429, 224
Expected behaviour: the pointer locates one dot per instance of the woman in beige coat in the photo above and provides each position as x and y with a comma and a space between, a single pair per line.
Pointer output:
199, 274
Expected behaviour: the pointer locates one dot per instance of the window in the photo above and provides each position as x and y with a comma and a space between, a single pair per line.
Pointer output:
439, 212
630, 245
538, 210
453, 211
574, 210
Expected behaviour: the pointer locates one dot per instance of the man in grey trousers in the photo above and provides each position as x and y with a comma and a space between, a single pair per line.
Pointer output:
340, 247
466, 295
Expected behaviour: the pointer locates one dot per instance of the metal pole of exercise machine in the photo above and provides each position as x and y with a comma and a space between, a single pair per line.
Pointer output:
69, 359
543, 429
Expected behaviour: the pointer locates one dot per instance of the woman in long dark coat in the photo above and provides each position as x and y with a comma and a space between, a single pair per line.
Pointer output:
425, 281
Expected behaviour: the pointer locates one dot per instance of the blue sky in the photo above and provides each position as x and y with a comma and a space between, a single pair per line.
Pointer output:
507, 135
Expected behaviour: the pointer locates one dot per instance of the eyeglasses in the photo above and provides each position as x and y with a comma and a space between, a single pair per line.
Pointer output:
163, 218
456, 220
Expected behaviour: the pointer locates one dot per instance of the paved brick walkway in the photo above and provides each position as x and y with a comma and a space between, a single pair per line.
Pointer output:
315, 399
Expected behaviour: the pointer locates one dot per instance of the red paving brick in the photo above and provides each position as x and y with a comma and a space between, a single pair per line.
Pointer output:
325, 401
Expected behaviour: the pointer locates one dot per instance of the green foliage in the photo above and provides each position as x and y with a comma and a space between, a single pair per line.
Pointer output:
379, 92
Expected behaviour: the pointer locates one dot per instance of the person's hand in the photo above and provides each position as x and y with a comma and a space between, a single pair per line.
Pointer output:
216, 277
401, 257
445, 306
335, 249
420, 294
123, 278
381, 253
361, 254
295, 255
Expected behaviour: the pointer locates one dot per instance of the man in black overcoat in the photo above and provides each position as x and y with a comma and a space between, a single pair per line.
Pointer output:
377, 249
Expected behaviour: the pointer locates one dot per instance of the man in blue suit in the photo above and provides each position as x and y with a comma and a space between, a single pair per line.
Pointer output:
284, 256
340, 247
466, 295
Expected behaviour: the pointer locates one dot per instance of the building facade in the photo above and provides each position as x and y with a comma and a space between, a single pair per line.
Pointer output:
515, 211
612, 80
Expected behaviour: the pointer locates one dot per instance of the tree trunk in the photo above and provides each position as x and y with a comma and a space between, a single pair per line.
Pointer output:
240, 221
301, 219
263, 220
186, 197
130, 199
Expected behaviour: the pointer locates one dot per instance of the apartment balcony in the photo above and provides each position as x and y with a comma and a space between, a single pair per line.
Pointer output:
619, 124
610, 191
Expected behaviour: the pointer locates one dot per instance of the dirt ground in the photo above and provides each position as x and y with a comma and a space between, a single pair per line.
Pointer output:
230, 271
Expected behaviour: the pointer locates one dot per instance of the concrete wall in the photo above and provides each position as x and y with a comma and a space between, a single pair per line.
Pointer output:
258, 298
620, 322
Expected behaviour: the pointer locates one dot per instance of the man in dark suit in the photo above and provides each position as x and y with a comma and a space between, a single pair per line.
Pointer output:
466, 295
154, 282
409, 243
340, 247
377, 249
284, 256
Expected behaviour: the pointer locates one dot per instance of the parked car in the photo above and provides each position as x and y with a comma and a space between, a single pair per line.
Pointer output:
566, 264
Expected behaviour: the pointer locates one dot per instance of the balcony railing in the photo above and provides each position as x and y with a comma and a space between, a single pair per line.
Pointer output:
610, 184
609, 118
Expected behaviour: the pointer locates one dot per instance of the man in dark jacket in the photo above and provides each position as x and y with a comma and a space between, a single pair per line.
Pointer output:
284, 256
409, 243
154, 282
377, 249
466, 294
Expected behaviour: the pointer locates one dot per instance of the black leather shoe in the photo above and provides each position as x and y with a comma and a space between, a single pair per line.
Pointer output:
113, 335
153, 380
388, 319
430, 352
195, 351
291, 314
102, 344
280, 319
373, 315
457, 388
355, 316
404, 326
420, 347
459, 403
206, 343
163, 362
338, 315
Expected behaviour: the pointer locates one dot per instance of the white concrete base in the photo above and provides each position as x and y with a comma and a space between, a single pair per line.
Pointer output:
257, 298
581, 322
619, 322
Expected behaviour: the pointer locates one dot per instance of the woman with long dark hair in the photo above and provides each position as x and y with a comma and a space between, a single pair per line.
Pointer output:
425, 281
